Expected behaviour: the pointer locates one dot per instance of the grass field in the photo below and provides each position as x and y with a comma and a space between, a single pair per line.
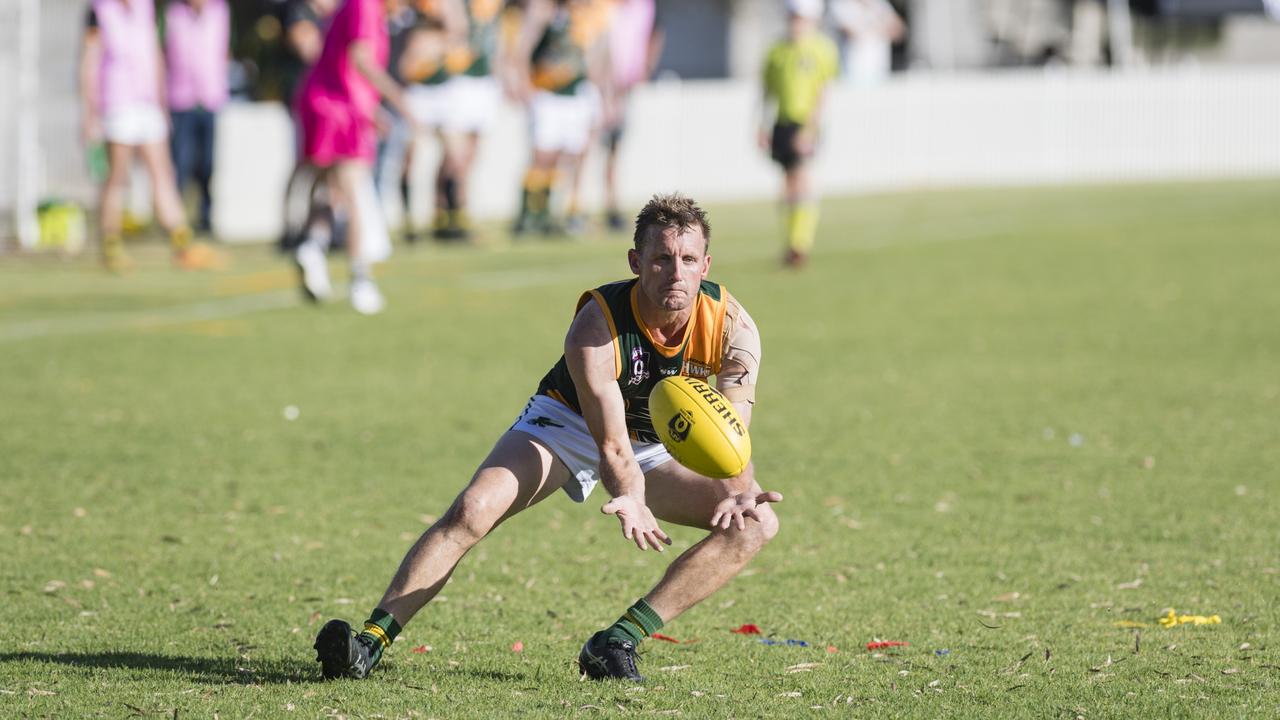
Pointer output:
1004, 421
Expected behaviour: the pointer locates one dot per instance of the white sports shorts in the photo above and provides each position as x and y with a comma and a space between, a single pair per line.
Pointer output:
563, 123
566, 433
138, 124
473, 103
429, 104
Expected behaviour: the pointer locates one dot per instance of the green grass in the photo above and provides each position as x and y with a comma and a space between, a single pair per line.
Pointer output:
1070, 394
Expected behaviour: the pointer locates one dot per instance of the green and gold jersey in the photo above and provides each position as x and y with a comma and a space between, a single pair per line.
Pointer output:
431, 19
795, 73
639, 361
559, 62
482, 35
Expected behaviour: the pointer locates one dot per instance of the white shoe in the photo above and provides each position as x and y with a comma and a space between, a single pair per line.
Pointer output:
315, 271
365, 297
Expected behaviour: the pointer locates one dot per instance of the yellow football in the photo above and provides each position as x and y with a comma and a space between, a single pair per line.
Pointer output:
699, 427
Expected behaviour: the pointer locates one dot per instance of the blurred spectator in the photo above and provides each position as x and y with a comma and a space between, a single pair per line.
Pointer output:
434, 49
197, 44
868, 30
562, 67
797, 71
337, 104
474, 100
635, 45
122, 100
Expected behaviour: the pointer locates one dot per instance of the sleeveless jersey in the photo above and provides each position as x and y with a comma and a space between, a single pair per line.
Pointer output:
482, 37
639, 362
436, 72
560, 58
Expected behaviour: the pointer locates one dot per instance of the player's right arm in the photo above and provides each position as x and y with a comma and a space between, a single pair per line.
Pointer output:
590, 356
90, 61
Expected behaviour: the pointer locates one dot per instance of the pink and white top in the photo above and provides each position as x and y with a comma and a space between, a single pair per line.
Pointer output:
629, 38
334, 77
130, 71
196, 46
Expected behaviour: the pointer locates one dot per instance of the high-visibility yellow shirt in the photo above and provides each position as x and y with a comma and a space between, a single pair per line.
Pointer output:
795, 72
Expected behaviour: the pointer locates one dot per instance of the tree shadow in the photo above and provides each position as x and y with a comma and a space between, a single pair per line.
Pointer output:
213, 670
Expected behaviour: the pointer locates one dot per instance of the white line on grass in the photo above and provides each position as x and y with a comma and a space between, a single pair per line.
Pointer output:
86, 323
240, 305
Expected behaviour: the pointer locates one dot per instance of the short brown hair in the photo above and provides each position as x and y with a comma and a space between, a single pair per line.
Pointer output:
670, 211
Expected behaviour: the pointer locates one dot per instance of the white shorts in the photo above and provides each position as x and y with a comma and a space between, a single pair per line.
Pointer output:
563, 123
566, 433
473, 103
135, 125
429, 104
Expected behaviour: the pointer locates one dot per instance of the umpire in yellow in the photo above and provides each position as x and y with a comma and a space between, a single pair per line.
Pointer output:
797, 71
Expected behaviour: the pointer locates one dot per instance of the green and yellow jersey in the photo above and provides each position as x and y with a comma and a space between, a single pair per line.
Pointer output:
560, 59
482, 35
456, 59
795, 73
640, 362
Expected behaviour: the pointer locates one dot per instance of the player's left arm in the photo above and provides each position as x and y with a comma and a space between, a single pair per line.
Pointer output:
739, 370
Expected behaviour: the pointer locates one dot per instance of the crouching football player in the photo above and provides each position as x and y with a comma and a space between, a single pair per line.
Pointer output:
589, 423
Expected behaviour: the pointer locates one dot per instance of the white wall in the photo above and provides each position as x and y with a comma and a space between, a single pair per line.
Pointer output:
922, 130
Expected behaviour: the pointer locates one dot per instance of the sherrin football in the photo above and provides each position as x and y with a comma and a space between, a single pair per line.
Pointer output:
699, 427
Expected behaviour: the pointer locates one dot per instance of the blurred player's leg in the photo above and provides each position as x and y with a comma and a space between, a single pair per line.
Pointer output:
204, 169
187, 255
802, 215
613, 212
581, 124
309, 217
367, 239
111, 206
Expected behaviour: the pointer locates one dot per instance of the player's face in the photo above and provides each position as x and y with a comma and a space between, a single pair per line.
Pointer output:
671, 266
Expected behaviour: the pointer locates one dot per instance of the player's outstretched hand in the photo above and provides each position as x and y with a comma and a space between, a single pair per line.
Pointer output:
638, 523
736, 509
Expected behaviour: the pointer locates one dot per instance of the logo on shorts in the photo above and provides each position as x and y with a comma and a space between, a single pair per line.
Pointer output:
543, 422
639, 366
679, 425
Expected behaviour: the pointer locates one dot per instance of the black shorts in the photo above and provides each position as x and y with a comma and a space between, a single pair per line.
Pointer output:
783, 146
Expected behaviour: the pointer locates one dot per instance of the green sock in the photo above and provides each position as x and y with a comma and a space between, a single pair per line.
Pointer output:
380, 630
636, 623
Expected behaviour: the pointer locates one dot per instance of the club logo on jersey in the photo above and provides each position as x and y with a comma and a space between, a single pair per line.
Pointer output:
639, 366
679, 425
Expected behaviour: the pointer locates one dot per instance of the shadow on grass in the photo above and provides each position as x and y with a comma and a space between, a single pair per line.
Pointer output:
210, 670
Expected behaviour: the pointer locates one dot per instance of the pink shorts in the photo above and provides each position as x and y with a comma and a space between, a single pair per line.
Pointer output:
333, 131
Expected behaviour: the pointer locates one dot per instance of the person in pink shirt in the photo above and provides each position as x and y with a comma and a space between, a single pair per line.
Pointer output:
197, 41
122, 101
635, 45
336, 107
